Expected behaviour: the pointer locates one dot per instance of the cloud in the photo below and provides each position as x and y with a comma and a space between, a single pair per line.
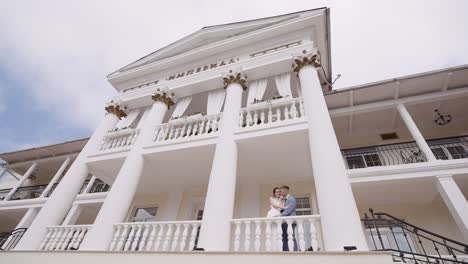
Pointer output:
63, 50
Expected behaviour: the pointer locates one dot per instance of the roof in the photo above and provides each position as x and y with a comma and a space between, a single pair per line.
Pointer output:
48, 151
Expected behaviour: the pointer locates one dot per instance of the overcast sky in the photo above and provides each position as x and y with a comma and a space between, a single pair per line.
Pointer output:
55, 55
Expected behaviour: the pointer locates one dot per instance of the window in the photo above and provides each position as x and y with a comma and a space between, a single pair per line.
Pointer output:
355, 162
458, 152
439, 153
372, 160
146, 214
303, 206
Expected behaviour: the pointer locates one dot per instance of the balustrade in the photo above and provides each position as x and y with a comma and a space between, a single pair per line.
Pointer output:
266, 234
120, 138
187, 128
155, 236
64, 237
271, 112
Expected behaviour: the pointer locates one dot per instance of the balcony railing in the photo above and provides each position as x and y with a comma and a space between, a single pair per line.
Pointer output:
64, 237
9, 240
405, 153
271, 112
187, 128
268, 234
155, 236
119, 139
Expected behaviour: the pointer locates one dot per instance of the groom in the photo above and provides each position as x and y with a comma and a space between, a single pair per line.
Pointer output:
290, 210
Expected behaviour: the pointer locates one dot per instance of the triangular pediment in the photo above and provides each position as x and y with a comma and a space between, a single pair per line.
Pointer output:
214, 34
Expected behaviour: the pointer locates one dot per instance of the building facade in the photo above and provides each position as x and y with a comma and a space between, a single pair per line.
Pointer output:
201, 131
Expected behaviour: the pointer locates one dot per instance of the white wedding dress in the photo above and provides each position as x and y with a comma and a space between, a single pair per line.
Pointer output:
273, 212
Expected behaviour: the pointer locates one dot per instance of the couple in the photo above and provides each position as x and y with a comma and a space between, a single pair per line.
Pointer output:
283, 204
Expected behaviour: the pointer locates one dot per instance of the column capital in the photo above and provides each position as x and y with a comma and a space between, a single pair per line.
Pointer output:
116, 109
162, 95
235, 77
311, 58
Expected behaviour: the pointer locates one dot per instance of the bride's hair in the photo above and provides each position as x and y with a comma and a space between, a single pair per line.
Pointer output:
274, 191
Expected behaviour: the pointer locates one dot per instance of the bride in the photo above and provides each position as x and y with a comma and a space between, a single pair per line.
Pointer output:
276, 203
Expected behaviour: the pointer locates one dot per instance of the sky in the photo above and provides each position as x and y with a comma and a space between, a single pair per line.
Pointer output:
55, 55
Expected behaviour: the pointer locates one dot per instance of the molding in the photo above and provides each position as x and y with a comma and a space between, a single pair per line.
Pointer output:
114, 108
235, 76
311, 58
163, 96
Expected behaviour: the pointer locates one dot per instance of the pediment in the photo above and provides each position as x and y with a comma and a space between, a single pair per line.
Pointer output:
214, 34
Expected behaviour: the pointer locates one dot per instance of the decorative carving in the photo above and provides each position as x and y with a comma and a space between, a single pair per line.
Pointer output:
308, 58
164, 97
235, 77
114, 108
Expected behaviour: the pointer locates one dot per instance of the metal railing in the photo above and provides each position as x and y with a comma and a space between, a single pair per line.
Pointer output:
410, 243
405, 153
9, 240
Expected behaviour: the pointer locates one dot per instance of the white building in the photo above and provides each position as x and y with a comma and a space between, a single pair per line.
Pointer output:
200, 132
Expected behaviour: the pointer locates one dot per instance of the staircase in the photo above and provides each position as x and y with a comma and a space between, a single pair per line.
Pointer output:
411, 244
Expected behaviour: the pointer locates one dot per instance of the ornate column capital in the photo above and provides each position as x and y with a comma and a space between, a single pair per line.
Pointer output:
163, 95
114, 108
311, 58
235, 77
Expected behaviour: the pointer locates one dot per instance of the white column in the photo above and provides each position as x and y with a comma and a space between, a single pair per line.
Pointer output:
56, 177
172, 206
89, 185
73, 215
340, 221
455, 201
417, 136
119, 198
250, 200
57, 205
21, 181
215, 234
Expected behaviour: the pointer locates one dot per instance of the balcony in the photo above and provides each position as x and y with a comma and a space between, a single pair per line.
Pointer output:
64, 237
405, 153
35, 191
187, 129
271, 113
119, 139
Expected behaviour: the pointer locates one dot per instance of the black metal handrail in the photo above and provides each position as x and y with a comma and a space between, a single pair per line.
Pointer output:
417, 244
9, 240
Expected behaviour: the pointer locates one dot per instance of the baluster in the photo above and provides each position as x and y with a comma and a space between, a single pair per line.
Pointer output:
268, 235
249, 118
56, 238
208, 125
258, 234
202, 127
195, 129
115, 238
241, 118
237, 236
189, 130
76, 233
136, 238
247, 236
67, 239
62, 238
172, 131
262, 116
301, 108
152, 236
290, 235
193, 236
168, 238
131, 235
160, 236
279, 236
278, 114
122, 238
293, 110
144, 235
183, 239
255, 118
184, 131
300, 231
46, 239
83, 231
214, 125
286, 112
175, 239
313, 235
270, 114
